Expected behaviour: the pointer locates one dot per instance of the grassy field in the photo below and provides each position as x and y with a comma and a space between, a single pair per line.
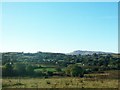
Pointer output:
45, 69
57, 82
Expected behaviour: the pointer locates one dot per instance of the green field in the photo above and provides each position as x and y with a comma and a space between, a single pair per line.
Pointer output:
67, 82
45, 69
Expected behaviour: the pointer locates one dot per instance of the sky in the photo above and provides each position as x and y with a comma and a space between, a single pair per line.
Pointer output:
60, 0
59, 26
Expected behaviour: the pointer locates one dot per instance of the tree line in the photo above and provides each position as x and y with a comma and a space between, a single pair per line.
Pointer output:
22, 70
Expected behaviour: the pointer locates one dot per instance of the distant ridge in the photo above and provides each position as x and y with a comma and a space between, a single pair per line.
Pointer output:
81, 52
77, 52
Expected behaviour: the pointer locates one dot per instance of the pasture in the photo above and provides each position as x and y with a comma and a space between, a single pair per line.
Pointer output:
59, 82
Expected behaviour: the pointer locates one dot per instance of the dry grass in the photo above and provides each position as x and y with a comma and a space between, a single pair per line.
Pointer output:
59, 83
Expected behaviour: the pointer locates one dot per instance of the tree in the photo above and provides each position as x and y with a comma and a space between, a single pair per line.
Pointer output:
20, 69
7, 70
38, 73
49, 73
29, 70
58, 69
74, 70
5, 59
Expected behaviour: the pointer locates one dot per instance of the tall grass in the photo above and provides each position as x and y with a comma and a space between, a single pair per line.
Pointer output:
67, 82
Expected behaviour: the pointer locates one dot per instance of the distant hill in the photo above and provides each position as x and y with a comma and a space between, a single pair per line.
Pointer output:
77, 52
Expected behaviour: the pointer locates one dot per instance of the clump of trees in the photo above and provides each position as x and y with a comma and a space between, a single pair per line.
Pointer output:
7, 70
20, 70
17, 70
74, 71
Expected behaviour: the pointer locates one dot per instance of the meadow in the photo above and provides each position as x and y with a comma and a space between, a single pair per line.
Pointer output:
89, 81
59, 83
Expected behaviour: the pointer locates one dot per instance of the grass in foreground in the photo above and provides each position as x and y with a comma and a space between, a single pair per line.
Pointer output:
67, 82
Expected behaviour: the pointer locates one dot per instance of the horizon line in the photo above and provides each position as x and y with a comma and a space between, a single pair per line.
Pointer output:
57, 52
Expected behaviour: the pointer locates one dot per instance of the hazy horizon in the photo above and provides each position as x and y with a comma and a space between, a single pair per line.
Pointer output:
59, 27
57, 51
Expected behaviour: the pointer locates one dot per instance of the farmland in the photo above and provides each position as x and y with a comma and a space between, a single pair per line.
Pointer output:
54, 70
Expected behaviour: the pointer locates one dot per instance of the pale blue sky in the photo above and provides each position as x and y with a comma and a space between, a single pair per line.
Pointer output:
60, 27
